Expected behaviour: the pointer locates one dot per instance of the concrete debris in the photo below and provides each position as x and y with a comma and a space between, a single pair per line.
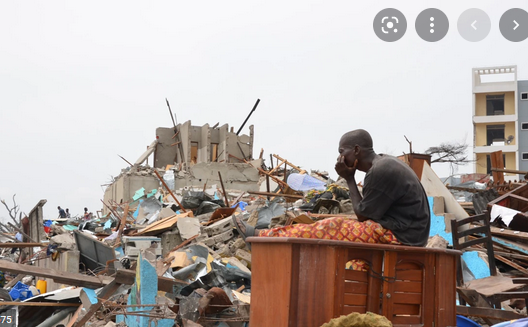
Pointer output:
188, 227
166, 255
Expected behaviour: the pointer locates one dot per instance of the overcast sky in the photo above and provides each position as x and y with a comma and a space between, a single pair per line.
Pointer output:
83, 83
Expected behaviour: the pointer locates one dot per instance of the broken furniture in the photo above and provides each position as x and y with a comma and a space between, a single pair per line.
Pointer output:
95, 255
134, 244
489, 292
516, 200
304, 282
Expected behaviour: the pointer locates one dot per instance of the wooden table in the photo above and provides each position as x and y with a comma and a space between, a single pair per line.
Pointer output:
304, 282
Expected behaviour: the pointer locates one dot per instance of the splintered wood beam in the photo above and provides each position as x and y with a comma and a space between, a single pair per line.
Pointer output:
128, 162
168, 189
128, 277
38, 304
106, 293
21, 245
301, 171
276, 166
237, 158
22, 232
488, 313
223, 189
293, 196
123, 222
63, 277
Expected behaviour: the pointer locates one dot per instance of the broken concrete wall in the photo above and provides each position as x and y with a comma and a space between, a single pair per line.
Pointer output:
237, 176
67, 261
165, 154
206, 139
126, 185
204, 146
36, 223
185, 131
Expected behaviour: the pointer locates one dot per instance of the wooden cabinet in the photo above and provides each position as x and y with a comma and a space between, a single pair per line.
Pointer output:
305, 283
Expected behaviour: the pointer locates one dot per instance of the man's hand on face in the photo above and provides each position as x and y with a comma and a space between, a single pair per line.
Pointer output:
344, 170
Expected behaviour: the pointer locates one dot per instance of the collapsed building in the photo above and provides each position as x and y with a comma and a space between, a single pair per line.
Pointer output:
191, 156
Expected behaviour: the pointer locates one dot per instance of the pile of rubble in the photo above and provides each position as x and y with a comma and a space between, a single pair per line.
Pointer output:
170, 256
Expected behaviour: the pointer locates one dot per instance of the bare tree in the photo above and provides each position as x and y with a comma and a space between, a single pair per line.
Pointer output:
454, 153
13, 211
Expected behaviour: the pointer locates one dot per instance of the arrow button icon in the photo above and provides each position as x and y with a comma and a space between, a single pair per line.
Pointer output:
513, 25
474, 25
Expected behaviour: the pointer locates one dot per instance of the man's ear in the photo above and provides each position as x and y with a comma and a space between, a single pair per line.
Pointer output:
357, 149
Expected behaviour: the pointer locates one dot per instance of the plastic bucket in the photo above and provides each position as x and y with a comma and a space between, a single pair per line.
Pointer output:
47, 229
465, 322
42, 286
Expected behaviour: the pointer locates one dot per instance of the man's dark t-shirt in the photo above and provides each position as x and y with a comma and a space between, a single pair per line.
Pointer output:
394, 197
62, 213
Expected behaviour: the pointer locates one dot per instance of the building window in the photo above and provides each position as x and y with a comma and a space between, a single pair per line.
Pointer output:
524, 96
495, 134
214, 152
495, 105
524, 126
525, 156
194, 153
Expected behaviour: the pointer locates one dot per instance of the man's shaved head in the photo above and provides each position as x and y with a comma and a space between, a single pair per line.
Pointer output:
357, 137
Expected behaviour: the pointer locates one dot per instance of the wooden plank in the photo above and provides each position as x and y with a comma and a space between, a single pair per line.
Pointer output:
407, 320
268, 262
407, 298
128, 277
315, 294
293, 196
123, 222
407, 286
106, 293
73, 279
301, 171
169, 190
511, 245
375, 286
339, 286
445, 288
355, 299
497, 162
411, 275
356, 276
512, 264
491, 285
21, 245
496, 314
389, 265
406, 309
356, 288
38, 304
74, 317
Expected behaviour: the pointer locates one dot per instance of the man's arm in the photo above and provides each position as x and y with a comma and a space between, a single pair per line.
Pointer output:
348, 173
355, 197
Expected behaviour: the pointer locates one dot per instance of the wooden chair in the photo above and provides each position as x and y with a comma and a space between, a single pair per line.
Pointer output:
486, 292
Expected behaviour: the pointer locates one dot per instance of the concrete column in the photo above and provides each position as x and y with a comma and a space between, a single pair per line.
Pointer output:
204, 152
222, 146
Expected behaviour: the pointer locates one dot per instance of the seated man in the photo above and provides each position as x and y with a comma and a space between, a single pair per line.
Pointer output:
393, 209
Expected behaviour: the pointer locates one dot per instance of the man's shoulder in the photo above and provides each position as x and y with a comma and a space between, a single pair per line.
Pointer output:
385, 162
